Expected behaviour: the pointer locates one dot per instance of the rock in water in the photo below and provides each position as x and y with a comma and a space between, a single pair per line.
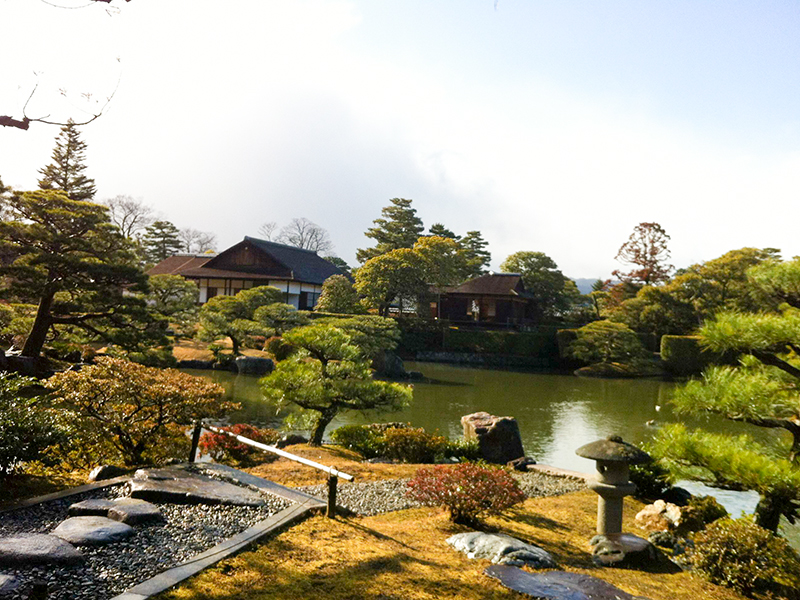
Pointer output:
253, 365
37, 549
498, 437
501, 549
92, 531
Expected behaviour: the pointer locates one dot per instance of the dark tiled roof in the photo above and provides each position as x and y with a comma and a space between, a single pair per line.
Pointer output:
494, 284
306, 265
178, 264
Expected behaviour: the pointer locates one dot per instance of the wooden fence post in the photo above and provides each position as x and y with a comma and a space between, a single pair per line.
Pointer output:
195, 441
332, 481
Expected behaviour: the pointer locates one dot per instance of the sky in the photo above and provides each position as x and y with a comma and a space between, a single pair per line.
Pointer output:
549, 126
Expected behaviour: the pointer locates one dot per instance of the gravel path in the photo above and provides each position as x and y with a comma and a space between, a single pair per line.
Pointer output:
110, 570
376, 497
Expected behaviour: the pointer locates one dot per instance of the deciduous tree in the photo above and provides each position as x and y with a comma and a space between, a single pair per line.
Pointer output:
328, 375
542, 279
396, 275
130, 215
305, 234
339, 296
197, 242
646, 249
66, 172
399, 227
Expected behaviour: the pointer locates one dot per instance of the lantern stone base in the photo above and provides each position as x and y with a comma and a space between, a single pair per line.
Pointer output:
622, 550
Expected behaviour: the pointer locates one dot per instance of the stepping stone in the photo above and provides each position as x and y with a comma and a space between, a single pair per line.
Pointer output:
92, 531
8, 584
501, 549
557, 585
37, 549
90, 508
134, 512
179, 487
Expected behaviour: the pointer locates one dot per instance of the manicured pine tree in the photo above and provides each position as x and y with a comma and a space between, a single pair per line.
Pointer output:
400, 227
161, 240
65, 173
474, 249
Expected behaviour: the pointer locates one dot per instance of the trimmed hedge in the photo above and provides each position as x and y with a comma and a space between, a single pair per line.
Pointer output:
500, 342
683, 356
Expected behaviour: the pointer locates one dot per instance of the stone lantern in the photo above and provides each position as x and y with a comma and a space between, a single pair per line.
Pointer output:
611, 483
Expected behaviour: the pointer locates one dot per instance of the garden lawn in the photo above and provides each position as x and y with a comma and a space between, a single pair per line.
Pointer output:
403, 555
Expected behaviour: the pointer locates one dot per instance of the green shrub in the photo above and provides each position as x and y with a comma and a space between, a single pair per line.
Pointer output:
412, 445
741, 555
419, 335
27, 426
463, 450
279, 348
224, 448
540, 345
360, 438
700, 512
564, 337
651, 480
607, 342
682, 355
467, 490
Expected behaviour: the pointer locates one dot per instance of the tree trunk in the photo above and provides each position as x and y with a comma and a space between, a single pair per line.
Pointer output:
323, 421
41, 324
768, 513
235, 346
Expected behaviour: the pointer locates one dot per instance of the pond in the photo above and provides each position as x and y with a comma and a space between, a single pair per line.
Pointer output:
556, 413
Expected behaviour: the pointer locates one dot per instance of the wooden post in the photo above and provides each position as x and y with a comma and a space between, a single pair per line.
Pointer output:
332, 480
195, 441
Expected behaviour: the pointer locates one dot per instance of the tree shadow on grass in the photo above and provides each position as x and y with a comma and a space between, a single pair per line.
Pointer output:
538, 521
374, 533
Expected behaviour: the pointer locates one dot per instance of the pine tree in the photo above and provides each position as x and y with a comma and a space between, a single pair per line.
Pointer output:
161, 240
474, 249
65, 173
439, 230
400, 227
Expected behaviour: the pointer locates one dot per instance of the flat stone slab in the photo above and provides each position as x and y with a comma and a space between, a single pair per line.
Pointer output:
557, 585
8, 584
180, 487
92, 531
90, 508
501, 549
37, 549
134, 512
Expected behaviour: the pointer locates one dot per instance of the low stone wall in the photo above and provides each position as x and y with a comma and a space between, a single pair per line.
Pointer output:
489, 360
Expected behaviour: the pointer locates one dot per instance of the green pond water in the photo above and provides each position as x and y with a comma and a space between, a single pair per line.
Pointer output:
556, 413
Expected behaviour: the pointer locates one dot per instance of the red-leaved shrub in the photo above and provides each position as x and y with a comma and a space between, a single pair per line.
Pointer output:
466, 490
225, 448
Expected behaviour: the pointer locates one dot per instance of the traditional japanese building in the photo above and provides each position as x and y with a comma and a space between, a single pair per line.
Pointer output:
493, 298
252, 263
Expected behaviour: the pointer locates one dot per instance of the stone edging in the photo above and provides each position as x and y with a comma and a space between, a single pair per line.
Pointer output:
97, 485
559, 472
171, 577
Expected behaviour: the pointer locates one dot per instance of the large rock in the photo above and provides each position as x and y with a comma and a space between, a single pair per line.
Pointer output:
106, 472
388, 364
253, 365
180, 487
37, 549
134, 512
501, 549
498, 437
557, 585
622, 550
8, 585
659, 516
92, 531
90, 508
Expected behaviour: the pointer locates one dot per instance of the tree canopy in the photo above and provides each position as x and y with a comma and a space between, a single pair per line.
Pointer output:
69, 259
399, 227
66, 172
339, 296
328, 375
398, 274
161, 240
473, 247
761, 391
542, 279
646, 250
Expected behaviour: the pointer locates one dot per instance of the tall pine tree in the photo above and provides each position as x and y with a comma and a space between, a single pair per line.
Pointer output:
161, 240
65, 173
400, 227
474, 249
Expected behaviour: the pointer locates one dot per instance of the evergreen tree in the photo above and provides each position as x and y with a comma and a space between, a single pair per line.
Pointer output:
65, 173
161, 240
474, 249
439, 230
400, 227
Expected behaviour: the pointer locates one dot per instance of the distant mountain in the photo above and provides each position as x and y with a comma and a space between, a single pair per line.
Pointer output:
584, 284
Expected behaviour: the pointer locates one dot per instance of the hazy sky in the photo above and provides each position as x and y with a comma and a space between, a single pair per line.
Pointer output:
554, 126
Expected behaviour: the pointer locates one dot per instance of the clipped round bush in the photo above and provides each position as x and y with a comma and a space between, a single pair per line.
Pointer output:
467, 490
739, 554
279, 348
700, 512
412, 445
365, 440
224, 448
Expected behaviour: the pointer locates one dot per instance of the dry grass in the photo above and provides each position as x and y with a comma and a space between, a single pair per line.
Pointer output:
21, 487
403, 555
